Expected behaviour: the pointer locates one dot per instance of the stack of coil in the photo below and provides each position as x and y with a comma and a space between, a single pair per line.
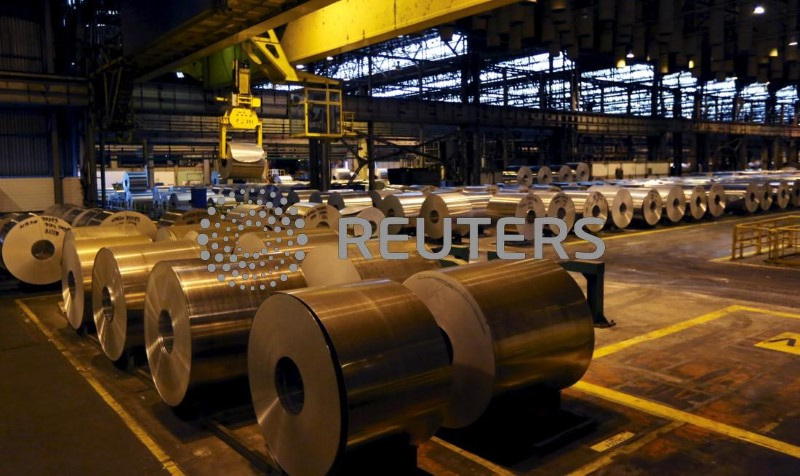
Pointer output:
519, 205
31, 247
243, 160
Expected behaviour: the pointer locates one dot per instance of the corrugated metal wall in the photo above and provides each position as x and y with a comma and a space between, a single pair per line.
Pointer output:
24, 144
20, 45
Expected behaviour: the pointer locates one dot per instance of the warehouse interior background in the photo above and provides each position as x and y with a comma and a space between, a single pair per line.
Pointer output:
155, 157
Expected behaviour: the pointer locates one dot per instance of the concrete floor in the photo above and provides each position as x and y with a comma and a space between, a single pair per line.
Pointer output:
678, 385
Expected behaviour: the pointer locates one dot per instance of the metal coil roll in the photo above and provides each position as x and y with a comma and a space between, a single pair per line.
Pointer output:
558, 205
620, 204
77, 261
581, 171
507, 334
697, 202
31, 247
519, 205
196, 327
179, 200
119, 279
182, 218
338, 367
795, 201
673, 200
133, 182
742, 198
66, 212
315, 215
564, 173
91, 217
590, 205
261, 242
716, 200
309, 195
373, 215
765, 197
527, 176
647, 205
479, 201
438, 206
322, 266
341, 201
244, 160
782, 194
176, 232
403, 205
143, 224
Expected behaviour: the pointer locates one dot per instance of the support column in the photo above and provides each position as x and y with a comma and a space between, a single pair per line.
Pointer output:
314, 164
90, 159
58, 189
102, 169
371, 131
677, 153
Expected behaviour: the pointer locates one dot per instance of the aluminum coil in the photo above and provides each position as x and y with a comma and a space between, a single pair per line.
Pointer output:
31, 247
327, 377
196, 327
765, 196
373, 215
717, 201
243, 160
581, 171
133, 182
647, 205
511, 325
673, 200
182, 218
119, 279
519, 205
261, 242
77, 261
795, 193
403, 205
315, 215
91, 217
176, 232
479, 201
341, 201
742, 198
438, 206
697, 202
179, 200
143, 224
322, 266
66, 212
527, 176
590, 205
309, 195
782, 194
620, 204
558, 205
564, 173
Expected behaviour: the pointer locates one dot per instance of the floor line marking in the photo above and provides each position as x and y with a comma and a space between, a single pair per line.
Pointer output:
669, 413
140, 433
664, 331
790, 315
625, 448
473, 457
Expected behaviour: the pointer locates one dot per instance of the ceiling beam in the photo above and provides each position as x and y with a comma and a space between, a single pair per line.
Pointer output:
348, 25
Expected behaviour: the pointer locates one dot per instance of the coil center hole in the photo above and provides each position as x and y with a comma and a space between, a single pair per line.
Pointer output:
530, 217
652, 205
698, 202
71, 284
752, 197
448, 345
717, 200
107, 305
623, 209
561, 213
434, 217
166, 334
43, 249
289, 384
676, 203
595, 211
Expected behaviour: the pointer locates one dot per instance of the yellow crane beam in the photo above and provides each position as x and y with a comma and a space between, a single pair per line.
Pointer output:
352, 24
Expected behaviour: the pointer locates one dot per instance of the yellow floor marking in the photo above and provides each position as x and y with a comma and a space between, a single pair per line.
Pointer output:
790, 315
632, 447
728, 257
126, 417
474, 458
669, 413
788, 342
615, 440
665, 331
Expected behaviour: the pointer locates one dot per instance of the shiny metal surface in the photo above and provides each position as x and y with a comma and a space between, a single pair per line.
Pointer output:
315, 215
373, 216
519, 205
175, 232
581, 170
309, 195
143, 224
135, 181
590, 205
782, 195
91, 217
511, 325
77, 260
765, 197
742, 198
408, 205
31, 247
647, 205
564, 174
438, 206
66, 212
558, 205
196, 328
333, 368
697, 201
182, 218
119, 279
620, 204
479, 200
261, 242
322, 266
673, 200
716, 200
341, 201
244, 160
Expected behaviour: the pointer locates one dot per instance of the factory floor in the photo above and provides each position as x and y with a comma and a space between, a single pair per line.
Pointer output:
701, 373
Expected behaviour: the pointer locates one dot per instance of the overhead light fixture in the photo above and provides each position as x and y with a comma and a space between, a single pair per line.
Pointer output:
691, 63
773, 53
630, 54
329, 58
621, 63
179, 74
300, 66
793, 43
758, 10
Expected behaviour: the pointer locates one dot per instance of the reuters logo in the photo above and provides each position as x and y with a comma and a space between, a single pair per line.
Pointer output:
278, 229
